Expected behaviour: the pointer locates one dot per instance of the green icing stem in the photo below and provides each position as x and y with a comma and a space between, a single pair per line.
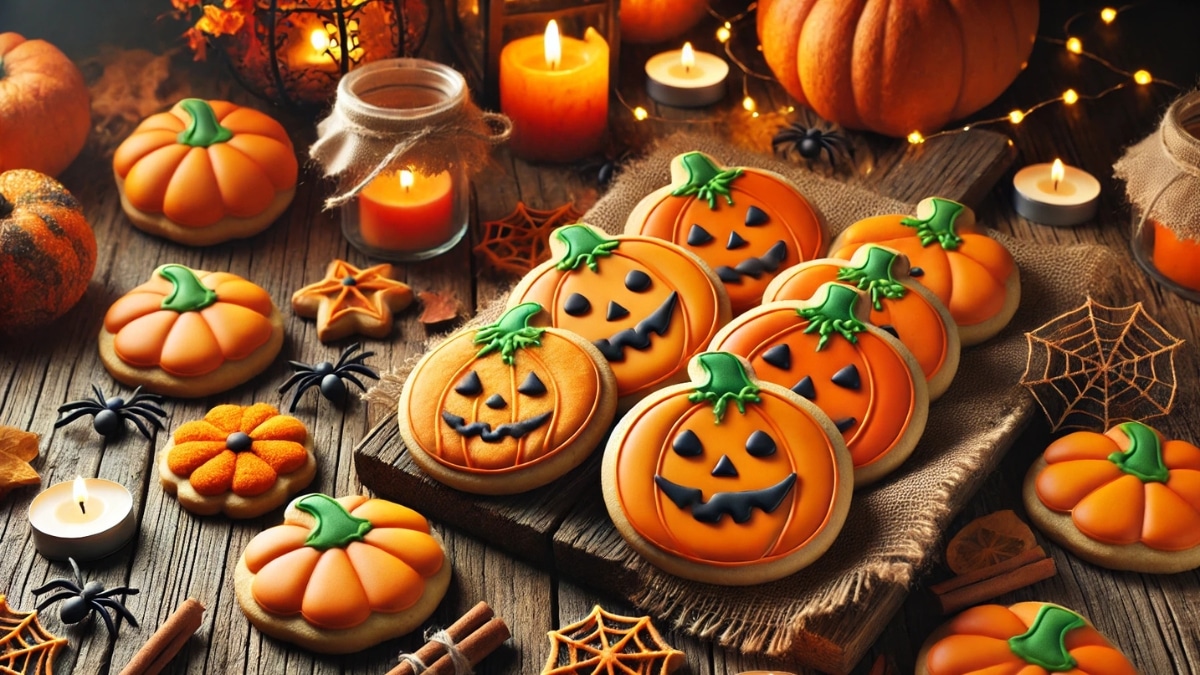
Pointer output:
584, 245
835, 315
1044, 644
511, 332
706, 180
727, 382
336, 528
1144, 458
938, 227
875, 276
204, 129
187, 293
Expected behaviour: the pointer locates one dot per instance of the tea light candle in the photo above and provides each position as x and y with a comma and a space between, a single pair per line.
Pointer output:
407, 211
1055, 194
686, 78
555, 90
82, 519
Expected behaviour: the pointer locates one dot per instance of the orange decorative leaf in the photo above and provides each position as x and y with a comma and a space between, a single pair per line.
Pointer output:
985, 541
25, 647
438, 307
520, 241
17, 449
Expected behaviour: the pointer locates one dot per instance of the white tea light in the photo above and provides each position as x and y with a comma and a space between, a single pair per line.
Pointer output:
84, 519
1056, 194
686, 78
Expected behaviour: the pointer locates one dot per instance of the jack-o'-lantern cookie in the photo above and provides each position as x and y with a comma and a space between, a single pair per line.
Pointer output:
507, 407
1125, 499
727, 479
240, 461
861, 376
1030, 638
746, 223
647, 304
190, 333
899, 305
973, 275
341, 575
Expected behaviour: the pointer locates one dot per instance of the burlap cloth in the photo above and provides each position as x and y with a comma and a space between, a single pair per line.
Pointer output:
1162, 171
894, 526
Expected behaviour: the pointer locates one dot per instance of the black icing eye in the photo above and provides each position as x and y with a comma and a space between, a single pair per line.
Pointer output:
470, 385
615, 311
760, 444
496, 402
735, 242
779, 356
756, 216
687, 444
847, 378
637, 281
577, 305
698, 236
532, 386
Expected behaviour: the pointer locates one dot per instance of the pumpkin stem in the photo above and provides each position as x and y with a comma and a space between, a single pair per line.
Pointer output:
511, 332
204, 129
835, 314
727, 381
187, 293
875, 276
1144, 458
1044, 644
706, 180
584, 245
939, 226
335, 528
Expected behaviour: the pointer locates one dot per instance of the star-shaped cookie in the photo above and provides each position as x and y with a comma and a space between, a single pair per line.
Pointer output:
350, 300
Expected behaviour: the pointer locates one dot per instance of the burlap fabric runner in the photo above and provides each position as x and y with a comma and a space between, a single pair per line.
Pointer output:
1162, 172
894, 526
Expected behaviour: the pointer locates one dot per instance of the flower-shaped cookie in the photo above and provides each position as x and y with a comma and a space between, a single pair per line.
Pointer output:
240, 460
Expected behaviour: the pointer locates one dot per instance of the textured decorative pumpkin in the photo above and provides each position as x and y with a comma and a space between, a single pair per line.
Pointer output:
973, 275
1029, 638
507, 407
651, 21
899, 305
49, 251
727, 479
858, 374
341, 575
647, 304
206, 172
45, 114
747, 224
1124, 499
190, 333
894, 66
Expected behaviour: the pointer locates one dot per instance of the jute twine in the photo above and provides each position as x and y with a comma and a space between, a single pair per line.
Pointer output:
1162, 172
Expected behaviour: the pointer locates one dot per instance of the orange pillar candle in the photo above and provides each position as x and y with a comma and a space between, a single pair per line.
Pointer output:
555, 90
407, 211
1177, 259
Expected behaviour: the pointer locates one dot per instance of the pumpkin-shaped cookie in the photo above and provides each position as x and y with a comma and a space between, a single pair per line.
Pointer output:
240, 461
861, 376
206, 172
1125, 499
899, 305
727, 479
973, 275
341, 575
190, 333
746, 223
507, 407
1028, 638
647, 304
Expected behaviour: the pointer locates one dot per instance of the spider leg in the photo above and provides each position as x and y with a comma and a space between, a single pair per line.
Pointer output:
120, 590
828, 148
350, 349
75, 415
99, 394
57, 597
78, 574
76, 405
357, 360
293, 380
300, 367
309, 382
147, 406
139, 397
120, 609
149, 415
350, 378
99, 609
141, 427
58, 583
360, 369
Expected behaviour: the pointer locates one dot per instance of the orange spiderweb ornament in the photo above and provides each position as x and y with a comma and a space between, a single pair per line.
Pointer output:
520, 241
25, 647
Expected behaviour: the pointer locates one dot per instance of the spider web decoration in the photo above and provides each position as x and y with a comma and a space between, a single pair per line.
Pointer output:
519, 241
25, 647
1097, 365
608, 644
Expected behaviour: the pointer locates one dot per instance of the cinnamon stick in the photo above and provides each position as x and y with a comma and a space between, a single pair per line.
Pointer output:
167, 641
1021, 559
468, 623
998, 585
474, 647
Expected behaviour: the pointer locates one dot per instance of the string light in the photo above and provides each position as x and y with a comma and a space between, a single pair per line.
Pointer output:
1142, 77
1074, 45
1070, 97
916, 138
1108, 14
724, 33
1016, 116
640, 114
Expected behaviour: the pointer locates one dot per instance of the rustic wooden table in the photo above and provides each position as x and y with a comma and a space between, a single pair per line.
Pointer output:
176, 555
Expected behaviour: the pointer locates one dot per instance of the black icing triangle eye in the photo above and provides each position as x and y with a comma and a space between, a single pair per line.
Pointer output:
615, 311
687, 444
805, 388
735, 241
532, 386
470, 385
779, 356
637, 281
760, 444
698, 236
756, 216
847, 378
725, 468
844, 423
495, 402
577, 305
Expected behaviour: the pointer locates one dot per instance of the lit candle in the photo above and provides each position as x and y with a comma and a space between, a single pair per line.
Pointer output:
82, 519
318, 52
407, 211
1056, 194
555, 90
685, 78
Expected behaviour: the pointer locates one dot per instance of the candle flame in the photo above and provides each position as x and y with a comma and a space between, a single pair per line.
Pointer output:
552, 44
687, 56
406, 179
319, 39
79, 489
1057, 172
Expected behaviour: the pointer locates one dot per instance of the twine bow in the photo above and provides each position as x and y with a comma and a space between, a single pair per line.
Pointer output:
1162, 172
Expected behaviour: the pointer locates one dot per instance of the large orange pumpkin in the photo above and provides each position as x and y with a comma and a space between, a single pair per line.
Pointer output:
45, 114
895, 66
650, 21
47, 250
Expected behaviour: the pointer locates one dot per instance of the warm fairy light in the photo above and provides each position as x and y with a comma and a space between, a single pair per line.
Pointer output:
749, 104
687, 56
79, 490
916, 138
1016, 116
552, 45
1108, 14
1142, 77
1070, 97
640, 114
1056, 173
723, 34
406, 179
319, 39
1074, 45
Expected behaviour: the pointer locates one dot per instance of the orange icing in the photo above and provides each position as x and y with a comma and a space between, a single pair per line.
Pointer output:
373, 295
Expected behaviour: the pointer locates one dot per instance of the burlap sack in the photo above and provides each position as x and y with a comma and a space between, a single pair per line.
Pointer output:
1162, 171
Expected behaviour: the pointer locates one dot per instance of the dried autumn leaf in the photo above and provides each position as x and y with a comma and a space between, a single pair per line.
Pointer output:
985, 541
438, 307
25, 647
16, 449
18, 443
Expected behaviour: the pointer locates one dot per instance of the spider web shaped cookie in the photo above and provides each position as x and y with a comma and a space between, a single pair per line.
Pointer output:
26, 647
520, 241
1097, 365
608, 644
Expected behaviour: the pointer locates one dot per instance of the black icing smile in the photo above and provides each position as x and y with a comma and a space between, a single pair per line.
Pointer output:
485, 431
738, 505
755, 267
638, 337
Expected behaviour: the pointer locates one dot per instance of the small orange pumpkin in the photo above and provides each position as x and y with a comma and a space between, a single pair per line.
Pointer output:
1030, 638
45, 114
49, 251
651, 21
973, 275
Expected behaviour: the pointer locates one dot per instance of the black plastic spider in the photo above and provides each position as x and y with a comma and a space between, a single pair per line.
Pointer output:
112, 413
83, 599
329, 376
806, 139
